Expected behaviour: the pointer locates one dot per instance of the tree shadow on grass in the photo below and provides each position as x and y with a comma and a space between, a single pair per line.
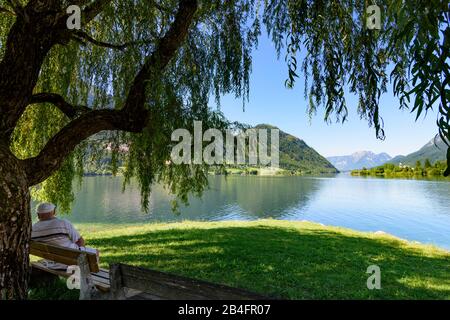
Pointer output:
287, 263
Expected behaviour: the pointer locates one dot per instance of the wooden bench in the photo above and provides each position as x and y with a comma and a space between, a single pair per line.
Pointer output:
157, 285
91, 275
129, 282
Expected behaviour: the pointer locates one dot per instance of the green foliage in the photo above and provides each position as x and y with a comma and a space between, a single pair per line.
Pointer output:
390, 170
56, 290
36, 132
418, 164
58, 188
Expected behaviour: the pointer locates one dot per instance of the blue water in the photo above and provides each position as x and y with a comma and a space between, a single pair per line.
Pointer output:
417, 210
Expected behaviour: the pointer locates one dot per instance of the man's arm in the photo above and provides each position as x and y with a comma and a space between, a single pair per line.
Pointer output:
74, 235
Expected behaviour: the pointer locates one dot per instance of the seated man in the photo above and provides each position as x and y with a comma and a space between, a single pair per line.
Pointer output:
52, 230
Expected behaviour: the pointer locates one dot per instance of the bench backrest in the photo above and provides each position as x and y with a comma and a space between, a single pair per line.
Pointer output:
63, 255
171, 287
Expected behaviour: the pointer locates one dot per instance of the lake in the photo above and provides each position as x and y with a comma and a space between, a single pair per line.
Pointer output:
416, 210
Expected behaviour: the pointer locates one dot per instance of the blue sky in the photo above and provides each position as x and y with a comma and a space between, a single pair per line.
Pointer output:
270, 102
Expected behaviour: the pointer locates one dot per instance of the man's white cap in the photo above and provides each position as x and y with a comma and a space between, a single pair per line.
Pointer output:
45, 207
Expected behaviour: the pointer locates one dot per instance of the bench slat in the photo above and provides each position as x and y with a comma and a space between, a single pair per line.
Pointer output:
54, 257
100, 279
102, 275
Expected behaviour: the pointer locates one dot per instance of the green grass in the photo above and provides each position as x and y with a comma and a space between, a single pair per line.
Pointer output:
53, 291
293, 260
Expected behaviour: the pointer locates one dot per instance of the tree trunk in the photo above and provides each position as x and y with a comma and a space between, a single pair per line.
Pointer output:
15, 227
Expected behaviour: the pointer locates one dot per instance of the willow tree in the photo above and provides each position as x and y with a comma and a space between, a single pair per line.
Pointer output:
138, 69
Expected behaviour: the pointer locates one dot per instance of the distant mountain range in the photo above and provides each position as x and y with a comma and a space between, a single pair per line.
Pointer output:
434, 150
359, 160
295, 154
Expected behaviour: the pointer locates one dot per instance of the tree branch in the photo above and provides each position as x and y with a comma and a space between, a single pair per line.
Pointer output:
133, 117
71, 111
165, 50
81, 35
59, 147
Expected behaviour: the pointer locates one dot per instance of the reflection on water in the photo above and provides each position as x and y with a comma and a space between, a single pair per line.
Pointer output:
411, 209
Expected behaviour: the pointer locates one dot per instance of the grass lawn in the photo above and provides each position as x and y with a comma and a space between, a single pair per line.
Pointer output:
293, 260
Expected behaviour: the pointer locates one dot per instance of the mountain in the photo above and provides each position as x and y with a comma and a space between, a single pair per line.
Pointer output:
359, 160
434, 150
295, 154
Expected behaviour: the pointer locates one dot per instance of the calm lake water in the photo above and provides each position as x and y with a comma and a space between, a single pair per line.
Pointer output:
411, 209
